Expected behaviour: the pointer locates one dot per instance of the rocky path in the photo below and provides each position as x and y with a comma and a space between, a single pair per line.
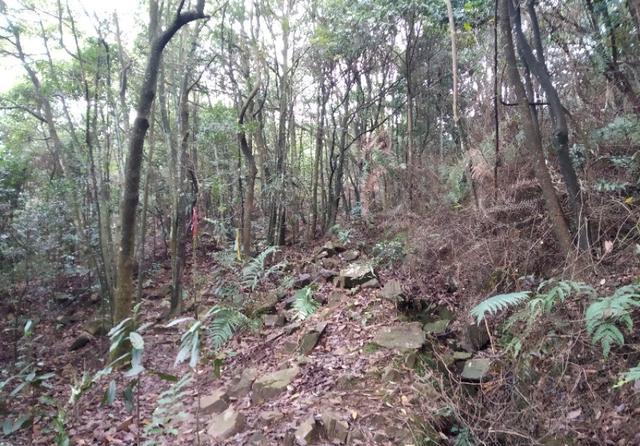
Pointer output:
346, 375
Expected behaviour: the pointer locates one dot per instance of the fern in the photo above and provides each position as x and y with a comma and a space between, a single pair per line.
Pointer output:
226, 322
605, 316
304, 305
498, 303
255, 271
631, 375
168, 413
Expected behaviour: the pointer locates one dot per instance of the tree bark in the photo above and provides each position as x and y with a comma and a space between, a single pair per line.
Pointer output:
532, 136
124, 294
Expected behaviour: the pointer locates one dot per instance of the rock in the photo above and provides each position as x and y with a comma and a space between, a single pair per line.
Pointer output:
410, 359
241, 385
345, 382
311, 338
324, 274
335, 429
355, 274
157, 293
266, 304
461, 356
476, 369
392, 291
436, 327
215, 402
390, 373
271, 416
258, 439
355, 437
97, 327
477, 337
62, 298
350, 256
407, 336
225, 424
273, 320
302, 281
335, 297
330, 249
272, 384
81, 340
308, 432
373, 283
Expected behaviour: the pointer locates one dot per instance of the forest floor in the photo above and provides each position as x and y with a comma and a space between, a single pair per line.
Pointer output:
366, 368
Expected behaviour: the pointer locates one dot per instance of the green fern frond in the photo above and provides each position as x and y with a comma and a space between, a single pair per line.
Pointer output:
254, 271
304, 305
225, 323
605, 316
498, 303
631, 375
607, 334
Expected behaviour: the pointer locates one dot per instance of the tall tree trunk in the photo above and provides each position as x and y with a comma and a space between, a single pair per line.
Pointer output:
250, 176
538, 67
130, 198
532, 136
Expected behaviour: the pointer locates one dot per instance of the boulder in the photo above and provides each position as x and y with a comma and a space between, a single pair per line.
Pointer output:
355, 274
335, 429
62, 298
215, 402
476, 369
407, 336
272, 384
436, 327
310, 339
240, 386
80, 341
392, 290
373, 283
324, 275
225, 424
302, 281
351, 255
330, 249
273, 320
97, 327
258, 439
265, 304
308, 431
474, 338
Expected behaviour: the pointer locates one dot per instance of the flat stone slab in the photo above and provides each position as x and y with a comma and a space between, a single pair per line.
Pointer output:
241, 385
215, 402
272, 384
355, 274
225, 424
311, 338
392, 290
408, 336
476, 369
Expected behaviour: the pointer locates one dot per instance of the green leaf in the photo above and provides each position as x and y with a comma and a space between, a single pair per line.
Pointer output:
134, 371
498, 303
136, 341
128, 395
110, 394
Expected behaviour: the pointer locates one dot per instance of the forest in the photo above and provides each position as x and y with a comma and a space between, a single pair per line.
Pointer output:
319, 222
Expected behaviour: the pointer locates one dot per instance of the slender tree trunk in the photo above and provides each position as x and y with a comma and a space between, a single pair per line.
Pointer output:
532, 136
250, 176
125, 290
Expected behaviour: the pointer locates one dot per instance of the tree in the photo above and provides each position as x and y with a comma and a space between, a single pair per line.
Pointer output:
124, 296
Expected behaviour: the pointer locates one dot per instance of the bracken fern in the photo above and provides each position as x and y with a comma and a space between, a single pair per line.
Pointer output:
304, 305
605, 316
498, 303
